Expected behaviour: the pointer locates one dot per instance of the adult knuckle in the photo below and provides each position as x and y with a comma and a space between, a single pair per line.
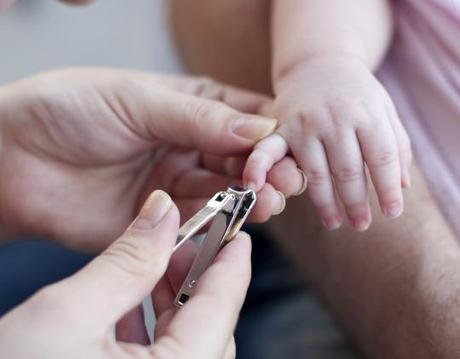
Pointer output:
197, 110
209, 88
201, 82
206, 109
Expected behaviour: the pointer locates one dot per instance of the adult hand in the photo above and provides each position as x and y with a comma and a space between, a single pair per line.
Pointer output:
81, 148
75, 318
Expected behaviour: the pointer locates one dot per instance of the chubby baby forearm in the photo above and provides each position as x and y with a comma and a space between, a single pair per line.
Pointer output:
302, 29
336, 119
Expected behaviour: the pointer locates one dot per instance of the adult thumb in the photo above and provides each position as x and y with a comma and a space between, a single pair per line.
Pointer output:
126, 272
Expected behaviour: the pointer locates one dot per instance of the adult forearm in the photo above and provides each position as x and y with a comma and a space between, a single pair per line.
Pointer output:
302, 29
394, 288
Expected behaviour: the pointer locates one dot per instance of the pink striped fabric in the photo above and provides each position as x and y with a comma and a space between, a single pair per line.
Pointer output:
422, 73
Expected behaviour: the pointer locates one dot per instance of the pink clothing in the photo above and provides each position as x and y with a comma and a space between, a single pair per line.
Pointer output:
422, 74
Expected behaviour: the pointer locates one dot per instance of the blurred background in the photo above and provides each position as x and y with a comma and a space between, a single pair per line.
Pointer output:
37, 35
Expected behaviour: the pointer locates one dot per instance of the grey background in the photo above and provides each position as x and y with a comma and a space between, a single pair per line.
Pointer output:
36, 35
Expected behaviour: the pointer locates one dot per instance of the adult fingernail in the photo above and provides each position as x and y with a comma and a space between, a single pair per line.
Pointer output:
254, 128
154, 209
393, 210
283, 203
304, 183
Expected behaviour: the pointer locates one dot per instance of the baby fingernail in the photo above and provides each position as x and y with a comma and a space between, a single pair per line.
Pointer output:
254, 128
406, 183
283, 203
360, 224
332, 223
250, 185
155, 208
304, 183
393, 210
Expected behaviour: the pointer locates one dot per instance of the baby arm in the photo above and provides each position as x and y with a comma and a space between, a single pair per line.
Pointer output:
334, 115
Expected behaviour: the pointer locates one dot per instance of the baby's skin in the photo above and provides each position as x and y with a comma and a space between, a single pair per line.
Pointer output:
336, 120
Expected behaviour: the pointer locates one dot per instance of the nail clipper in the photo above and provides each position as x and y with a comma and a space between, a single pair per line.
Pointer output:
228, 211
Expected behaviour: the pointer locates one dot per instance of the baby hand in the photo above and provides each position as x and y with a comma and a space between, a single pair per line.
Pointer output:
283, 180
336, 117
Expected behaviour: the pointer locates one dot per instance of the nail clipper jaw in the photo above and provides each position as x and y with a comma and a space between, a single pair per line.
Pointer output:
245, 200
219, 202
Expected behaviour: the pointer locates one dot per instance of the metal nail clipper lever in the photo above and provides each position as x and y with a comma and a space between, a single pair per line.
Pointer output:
228, 211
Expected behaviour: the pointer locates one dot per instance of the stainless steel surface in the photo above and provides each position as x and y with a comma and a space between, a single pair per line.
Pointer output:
230, 209
201, 218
